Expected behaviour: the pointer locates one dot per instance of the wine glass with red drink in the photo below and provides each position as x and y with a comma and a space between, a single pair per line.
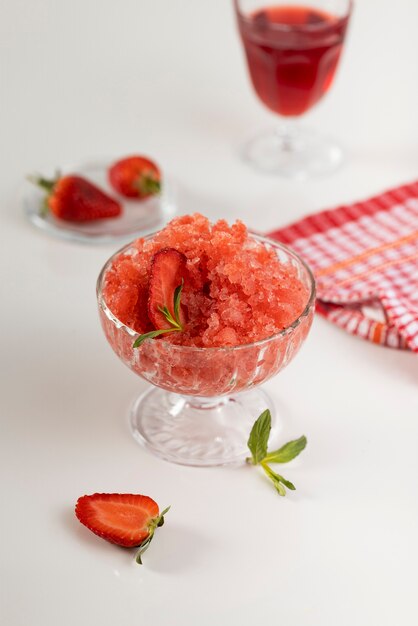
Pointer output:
292, 52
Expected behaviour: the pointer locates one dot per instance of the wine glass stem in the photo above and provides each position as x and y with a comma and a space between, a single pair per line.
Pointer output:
286, 133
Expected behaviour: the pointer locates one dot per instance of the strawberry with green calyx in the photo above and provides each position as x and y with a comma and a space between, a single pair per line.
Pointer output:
168, 270
124, 519
135, 177
75, 199
47, 185
257, 444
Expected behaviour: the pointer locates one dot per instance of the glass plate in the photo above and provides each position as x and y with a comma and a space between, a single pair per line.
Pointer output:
137, 218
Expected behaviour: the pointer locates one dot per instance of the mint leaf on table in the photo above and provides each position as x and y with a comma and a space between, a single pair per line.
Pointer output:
287, 452
259, 437
258, 444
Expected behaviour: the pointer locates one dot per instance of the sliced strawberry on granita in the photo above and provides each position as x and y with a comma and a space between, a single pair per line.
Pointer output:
165, 311
168, 270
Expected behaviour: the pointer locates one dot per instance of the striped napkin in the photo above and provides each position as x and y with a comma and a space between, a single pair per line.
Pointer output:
365, 260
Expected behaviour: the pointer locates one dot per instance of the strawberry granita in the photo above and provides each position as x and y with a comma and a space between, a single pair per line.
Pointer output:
205, 313
205, 309
235, 291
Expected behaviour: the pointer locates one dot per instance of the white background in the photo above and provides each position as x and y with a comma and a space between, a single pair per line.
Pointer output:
81, 79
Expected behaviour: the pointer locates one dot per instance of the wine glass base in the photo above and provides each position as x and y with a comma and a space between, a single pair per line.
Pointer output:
198, 431
293, 152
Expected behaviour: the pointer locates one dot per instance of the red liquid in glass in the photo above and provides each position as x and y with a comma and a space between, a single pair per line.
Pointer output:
292, 54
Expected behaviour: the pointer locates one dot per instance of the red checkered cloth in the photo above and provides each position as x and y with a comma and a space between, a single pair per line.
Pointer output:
365, 260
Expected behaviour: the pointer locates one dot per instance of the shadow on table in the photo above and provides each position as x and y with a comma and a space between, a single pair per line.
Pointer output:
174, 549
177, 548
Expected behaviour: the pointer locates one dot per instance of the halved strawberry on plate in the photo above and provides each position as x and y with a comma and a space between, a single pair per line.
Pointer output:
75, 199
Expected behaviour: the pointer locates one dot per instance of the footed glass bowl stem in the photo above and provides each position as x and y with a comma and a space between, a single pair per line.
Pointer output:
191, 430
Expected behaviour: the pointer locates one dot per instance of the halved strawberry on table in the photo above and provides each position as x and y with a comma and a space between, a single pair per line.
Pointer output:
128, 520
75, 199
135, 177
165, 311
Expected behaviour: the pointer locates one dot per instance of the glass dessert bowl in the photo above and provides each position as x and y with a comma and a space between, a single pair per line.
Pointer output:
204, 400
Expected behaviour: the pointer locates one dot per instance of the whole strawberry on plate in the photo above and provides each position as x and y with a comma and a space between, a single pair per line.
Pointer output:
135, 177
125, 519
75, 199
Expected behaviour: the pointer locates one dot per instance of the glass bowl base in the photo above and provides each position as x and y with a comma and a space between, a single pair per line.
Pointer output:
198, 431
293, 152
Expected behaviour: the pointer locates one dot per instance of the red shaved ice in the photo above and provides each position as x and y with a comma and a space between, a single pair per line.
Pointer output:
236, 289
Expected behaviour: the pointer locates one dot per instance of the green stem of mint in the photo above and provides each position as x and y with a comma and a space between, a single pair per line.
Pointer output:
152, 334
258, 443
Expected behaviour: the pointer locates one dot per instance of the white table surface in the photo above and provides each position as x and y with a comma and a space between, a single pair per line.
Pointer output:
87, 78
